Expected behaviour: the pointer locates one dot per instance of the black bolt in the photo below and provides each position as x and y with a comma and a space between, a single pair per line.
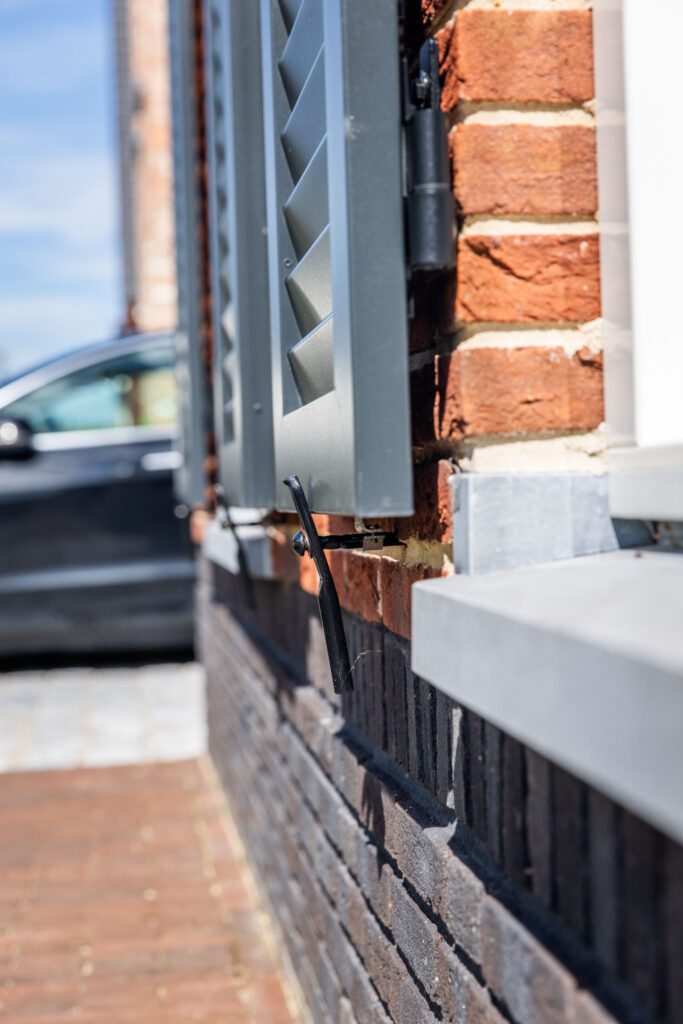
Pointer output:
300, 543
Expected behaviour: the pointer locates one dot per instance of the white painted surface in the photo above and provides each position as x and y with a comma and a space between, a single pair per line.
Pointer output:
640, 167
647, 483
86, 717
582, 660
220, 547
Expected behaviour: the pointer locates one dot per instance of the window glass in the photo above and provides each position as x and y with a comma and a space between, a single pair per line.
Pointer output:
134, 390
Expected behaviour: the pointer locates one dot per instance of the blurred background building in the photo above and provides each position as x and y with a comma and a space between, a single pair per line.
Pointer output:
145, 163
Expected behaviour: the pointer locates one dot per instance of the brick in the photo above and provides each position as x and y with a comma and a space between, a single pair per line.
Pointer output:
329, 524
427, 725
286, 563
432, 8
458, 901
589, 1011
351, 832
538, 819
416, 937
518, 56
521, 390
535, 987
97, 817
569, 843
525, 169
528, 279
308, 575
381, 959
397, 676
199, 521
361, 591
396, 580
433, 513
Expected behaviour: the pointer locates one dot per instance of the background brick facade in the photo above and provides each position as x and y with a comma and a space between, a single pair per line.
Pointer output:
144, 117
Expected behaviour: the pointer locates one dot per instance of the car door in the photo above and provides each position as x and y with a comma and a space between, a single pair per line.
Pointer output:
93, 552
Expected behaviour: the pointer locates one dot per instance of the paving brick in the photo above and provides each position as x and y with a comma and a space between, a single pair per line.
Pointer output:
142, 911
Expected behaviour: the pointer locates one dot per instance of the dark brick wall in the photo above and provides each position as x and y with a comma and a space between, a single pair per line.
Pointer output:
423, 865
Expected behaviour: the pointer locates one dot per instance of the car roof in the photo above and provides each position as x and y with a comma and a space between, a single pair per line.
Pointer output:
14, 387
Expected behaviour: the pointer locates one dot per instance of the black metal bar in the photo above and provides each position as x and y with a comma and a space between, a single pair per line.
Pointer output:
328, 600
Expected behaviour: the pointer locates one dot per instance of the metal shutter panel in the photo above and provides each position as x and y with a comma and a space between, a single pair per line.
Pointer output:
241, 328
190, 477
336, 253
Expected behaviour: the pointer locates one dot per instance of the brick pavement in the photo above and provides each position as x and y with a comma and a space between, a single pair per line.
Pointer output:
124, 898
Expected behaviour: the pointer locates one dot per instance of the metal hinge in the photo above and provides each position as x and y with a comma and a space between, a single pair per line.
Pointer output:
309, 542
429, 196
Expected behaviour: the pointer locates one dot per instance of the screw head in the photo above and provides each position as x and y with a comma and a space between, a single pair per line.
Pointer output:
300, 543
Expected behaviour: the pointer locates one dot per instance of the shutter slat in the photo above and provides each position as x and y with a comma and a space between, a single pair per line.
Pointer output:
305, 127
302, 48
289, 8
306, 210
310, 285
312, 362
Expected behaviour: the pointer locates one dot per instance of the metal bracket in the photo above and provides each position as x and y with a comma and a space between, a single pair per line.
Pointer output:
309, 542
428, 187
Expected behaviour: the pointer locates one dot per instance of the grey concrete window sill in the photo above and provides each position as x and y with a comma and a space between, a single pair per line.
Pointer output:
582, 660
220, 547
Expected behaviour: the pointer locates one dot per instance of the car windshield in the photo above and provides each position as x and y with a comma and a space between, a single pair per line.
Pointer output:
132, 390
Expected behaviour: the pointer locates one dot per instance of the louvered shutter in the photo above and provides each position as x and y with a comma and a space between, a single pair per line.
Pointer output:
242, 376
190, 478
336, 253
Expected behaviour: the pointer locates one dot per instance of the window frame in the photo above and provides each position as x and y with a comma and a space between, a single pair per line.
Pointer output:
639, 163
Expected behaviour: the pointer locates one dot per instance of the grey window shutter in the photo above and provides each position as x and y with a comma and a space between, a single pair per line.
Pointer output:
190, 477
337, 267
241, 329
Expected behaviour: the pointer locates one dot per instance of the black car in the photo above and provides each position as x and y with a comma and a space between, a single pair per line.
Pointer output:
95, 553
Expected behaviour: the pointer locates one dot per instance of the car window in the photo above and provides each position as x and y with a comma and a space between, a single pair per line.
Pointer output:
134, 390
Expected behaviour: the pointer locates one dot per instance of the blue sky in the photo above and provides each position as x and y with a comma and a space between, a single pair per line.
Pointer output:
59, 247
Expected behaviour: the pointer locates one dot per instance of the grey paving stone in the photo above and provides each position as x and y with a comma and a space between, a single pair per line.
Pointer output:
68, 718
